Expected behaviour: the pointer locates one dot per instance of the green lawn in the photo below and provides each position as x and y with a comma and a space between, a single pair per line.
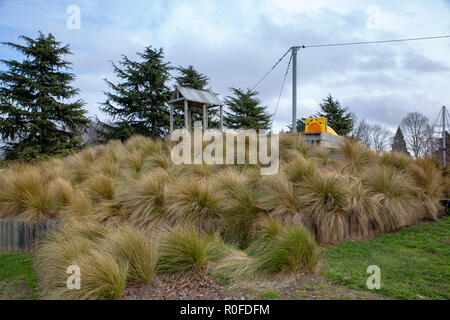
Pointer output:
414, 263
17, 279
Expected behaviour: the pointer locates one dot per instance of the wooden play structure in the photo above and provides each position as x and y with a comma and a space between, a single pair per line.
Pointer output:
189, 98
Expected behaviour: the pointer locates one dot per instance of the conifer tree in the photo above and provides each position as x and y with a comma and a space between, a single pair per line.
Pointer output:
398, 143
39, 116
338, 117
138, 102
246, 111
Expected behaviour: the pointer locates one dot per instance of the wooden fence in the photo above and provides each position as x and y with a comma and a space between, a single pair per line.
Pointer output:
16, 236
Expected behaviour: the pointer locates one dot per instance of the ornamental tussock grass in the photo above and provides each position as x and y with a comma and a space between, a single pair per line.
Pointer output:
300, 169
398, 160
61, 193
278, 197
392, 192
103, 278
292, 249
107, 256
192, 201
429, 186
185, 248
131, 207
355, 156
239, 206
235, 266
24, 193
324, 201
139, 250
362, 213
144, 199
291, 146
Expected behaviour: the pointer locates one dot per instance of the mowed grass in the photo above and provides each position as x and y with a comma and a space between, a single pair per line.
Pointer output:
17, 279
414, 263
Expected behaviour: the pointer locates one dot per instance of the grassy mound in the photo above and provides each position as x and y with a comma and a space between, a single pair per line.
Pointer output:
130, 206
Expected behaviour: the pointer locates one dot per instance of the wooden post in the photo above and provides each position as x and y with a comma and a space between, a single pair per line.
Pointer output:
221, 118
205, 118
171, 118
186, 115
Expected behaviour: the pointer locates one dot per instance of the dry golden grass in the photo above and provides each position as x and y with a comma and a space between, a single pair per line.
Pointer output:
110, 193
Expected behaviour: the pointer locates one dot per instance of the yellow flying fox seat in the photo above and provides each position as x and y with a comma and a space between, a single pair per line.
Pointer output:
318, 124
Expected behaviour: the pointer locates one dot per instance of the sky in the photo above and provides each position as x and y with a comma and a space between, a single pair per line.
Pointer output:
236, 42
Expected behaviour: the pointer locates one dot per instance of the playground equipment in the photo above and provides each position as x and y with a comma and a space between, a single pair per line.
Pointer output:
319, 124
318, 132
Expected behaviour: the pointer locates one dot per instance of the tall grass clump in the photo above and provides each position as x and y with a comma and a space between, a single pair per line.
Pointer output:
236, 266
292, 146
24, 194
278, 197
355, 156
392, 192
144, 199
185, 248
103, 278
429, 186
192, 201
324, 201
135, 247
300, 169
239, 207
292, 249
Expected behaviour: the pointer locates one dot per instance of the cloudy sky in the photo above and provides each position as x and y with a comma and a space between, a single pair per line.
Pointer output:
236, 42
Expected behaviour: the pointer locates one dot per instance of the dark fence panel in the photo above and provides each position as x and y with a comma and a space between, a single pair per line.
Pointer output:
17, 236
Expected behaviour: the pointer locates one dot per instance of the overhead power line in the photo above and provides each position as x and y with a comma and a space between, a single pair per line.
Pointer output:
371, 42
282, 87
271, 69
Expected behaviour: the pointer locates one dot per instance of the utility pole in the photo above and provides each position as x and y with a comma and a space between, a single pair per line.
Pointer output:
444, 136
294, 89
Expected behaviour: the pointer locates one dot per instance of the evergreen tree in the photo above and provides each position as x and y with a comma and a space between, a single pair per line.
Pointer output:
38, 116
193, 79
398, 143
300, 125
245, 111
338, 117
138, 103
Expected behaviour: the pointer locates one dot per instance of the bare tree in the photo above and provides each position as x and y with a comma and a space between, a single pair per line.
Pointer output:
362, 132
372, 136
380, 138
418, 134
